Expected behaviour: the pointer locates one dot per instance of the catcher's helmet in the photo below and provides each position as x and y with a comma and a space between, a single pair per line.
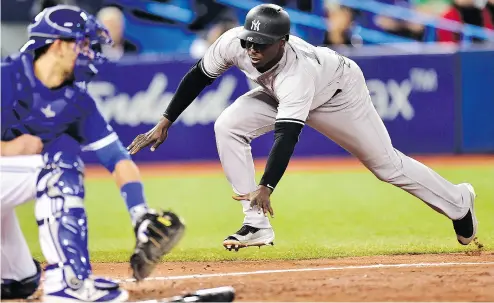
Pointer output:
265, 24
64, 22
68, 22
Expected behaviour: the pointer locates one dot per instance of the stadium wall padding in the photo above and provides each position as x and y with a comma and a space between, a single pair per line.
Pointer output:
477, 77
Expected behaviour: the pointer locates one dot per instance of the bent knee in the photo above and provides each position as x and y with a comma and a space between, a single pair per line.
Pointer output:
388, 170
223, 126
228, 127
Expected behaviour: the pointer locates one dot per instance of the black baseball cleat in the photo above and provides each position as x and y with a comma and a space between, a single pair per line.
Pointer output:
13, 289
249, 236
466, 227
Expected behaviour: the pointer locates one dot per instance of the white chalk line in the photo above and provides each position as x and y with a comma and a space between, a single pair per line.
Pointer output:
291, 270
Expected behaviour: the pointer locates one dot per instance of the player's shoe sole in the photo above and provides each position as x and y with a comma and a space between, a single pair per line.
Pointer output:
466, 227
249, 236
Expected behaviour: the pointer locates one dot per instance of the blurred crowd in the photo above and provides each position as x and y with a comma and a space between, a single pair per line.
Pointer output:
211, 19
342, 20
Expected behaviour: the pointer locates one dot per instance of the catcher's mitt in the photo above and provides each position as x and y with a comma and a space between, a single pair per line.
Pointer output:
156, 235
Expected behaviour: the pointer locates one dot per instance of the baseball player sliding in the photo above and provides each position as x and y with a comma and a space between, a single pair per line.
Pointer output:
46, 120
299, 84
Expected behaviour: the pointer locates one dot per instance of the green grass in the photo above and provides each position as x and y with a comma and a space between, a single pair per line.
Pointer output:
318, 215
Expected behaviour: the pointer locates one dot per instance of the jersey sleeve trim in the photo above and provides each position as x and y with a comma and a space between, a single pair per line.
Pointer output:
101, 143
290, 120
205, 72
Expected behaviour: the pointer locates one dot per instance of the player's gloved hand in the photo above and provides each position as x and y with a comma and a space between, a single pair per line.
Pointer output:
259, 199
155, 136
23, 145
156, 234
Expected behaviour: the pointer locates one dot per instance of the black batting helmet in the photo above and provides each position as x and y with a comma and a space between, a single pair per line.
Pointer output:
265, 24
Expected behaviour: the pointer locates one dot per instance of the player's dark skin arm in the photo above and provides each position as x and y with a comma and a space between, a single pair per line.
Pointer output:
286, 136
192, 84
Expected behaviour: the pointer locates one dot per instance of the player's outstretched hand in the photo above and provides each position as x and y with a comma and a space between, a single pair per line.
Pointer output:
155, 136
259, 198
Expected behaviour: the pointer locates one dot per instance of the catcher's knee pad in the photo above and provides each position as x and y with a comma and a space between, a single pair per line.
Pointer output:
12, 289
62, 221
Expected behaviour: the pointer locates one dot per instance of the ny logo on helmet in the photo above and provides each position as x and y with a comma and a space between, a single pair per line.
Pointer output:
255, 25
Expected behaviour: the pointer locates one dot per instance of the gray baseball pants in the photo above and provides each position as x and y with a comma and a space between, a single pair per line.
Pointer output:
350, 120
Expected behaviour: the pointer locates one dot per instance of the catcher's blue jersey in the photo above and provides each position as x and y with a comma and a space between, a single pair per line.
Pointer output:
65, 118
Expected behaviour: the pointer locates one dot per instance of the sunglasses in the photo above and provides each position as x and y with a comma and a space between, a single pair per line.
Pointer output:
256, 46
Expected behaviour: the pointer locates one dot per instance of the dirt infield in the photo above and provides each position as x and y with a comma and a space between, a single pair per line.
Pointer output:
425, 278
451, 277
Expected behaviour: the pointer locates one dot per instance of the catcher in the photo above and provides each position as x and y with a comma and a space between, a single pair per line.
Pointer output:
47, 120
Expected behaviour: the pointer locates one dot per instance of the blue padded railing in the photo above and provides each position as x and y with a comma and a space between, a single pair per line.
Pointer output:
185, 16
420, 18
318, 22
382, 9
169, 11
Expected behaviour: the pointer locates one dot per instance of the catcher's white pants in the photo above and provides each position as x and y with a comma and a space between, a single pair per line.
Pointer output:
18, 176
350, 120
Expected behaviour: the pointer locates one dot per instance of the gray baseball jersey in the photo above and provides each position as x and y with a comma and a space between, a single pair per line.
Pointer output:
304, 79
